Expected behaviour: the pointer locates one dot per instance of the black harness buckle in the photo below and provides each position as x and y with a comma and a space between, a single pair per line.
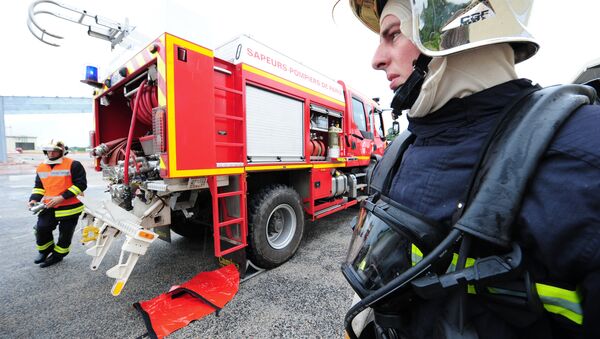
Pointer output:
484, 270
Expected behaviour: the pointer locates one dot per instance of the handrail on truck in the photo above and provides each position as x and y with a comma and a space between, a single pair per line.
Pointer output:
98, 26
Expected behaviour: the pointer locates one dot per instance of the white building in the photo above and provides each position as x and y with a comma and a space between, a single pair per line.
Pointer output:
24, 143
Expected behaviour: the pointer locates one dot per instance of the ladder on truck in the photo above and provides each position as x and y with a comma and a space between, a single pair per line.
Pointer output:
229, 215
230, 227
230, 222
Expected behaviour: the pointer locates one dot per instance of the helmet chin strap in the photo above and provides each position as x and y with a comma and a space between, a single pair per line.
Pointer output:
54, 160
406, 95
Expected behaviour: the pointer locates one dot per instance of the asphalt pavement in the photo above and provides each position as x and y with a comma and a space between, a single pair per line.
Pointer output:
307, 297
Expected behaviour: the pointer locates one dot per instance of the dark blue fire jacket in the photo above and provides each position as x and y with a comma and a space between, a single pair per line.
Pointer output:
558, 225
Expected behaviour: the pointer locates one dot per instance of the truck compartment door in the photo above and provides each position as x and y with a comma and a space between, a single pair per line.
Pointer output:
275, 127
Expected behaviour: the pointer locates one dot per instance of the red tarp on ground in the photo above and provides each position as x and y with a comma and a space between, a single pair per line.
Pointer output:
200, 296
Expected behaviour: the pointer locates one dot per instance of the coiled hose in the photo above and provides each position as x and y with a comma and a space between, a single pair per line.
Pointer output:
148, 100
142, 112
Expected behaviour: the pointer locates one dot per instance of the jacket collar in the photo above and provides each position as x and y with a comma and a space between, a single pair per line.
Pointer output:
461, 111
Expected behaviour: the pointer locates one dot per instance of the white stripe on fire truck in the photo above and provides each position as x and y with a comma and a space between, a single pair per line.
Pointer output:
160, 66
141, 59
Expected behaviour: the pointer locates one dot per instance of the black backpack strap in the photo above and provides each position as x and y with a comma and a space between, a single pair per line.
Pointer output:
511, 159
385, 169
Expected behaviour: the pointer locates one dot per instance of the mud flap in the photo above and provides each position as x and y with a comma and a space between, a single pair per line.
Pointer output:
204, 294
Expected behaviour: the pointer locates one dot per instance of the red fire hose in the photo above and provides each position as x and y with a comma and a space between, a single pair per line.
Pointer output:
148, 100
136, 105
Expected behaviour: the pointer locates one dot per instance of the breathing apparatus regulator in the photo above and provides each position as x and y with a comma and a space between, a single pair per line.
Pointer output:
398, 257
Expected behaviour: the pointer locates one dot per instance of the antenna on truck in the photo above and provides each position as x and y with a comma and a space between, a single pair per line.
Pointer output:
98, 27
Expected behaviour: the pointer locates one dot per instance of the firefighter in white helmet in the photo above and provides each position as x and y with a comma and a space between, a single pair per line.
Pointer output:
451, 67
58, 182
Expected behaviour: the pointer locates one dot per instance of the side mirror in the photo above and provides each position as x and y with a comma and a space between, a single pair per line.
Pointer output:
396, 127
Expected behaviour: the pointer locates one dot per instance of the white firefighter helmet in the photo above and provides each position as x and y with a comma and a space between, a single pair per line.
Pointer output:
444, 27
55, 145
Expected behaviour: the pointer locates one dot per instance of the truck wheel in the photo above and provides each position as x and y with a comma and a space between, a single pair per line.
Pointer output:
275, 226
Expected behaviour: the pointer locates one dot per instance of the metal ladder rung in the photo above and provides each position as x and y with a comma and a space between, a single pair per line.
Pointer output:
229, 194
230, 222
233, 249
231, 241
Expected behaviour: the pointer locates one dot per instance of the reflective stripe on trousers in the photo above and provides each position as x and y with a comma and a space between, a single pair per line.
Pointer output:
61, 250
45, 246
69, 212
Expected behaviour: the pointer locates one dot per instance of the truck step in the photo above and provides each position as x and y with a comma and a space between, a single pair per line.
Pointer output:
325, 210
360, 175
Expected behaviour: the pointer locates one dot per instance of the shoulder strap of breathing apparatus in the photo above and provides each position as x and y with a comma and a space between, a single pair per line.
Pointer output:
507, 161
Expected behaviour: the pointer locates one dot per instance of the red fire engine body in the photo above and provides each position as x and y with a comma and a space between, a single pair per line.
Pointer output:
242, 139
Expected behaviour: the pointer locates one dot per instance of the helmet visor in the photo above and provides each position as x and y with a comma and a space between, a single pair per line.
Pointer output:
49, 148
446, 27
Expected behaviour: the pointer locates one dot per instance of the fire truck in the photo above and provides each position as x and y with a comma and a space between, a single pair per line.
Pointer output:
241, 141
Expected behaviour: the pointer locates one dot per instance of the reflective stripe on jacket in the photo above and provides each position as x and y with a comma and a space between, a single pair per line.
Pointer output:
56, 180
564, 302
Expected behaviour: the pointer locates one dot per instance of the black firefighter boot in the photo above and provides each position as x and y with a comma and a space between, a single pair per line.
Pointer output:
41, 257
52, 259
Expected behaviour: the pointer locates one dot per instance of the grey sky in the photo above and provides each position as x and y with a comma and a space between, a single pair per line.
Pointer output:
303, 30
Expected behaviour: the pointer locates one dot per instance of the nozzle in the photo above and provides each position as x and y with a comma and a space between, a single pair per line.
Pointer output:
37, 208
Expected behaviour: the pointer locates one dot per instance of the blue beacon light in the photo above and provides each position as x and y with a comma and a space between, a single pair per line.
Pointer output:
91, 73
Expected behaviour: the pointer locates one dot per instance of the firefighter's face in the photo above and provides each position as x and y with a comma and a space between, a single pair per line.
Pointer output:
54, 154
396, 52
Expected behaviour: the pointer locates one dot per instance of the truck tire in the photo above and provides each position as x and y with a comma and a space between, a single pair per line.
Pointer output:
275, 225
